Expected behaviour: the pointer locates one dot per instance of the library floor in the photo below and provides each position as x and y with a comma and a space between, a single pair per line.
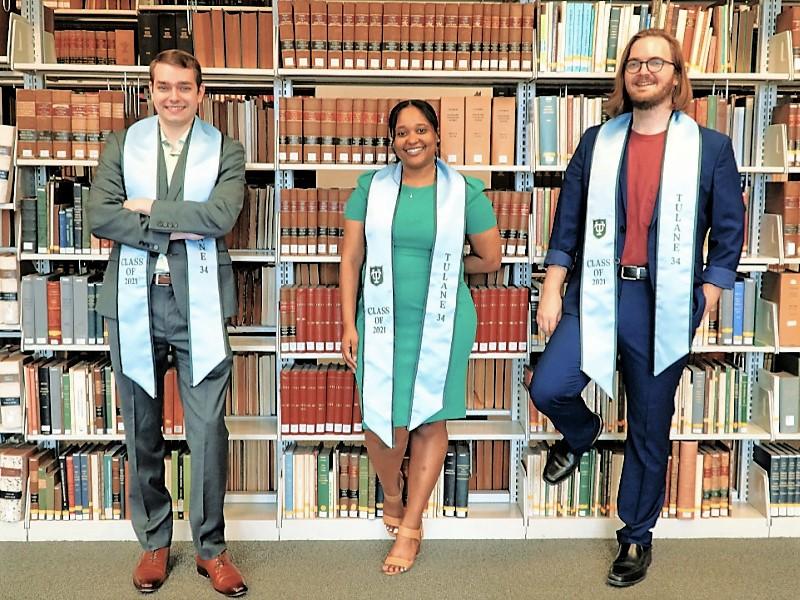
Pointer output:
682, 569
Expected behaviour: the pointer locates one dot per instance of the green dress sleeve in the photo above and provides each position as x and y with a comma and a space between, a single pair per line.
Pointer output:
480, 215
356, 207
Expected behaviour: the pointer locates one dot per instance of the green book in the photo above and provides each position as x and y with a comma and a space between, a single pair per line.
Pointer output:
66, 398
187, 481
548, 130
363, 484
371, 491
174, 487
41, 220
584, 485
323, 483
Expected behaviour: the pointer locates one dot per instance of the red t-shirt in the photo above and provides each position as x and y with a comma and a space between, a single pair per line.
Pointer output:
645, 154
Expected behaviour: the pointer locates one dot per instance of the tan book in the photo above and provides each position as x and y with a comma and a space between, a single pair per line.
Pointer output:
370, 120
439, 36
361, 35
203, 43
125, 47
270, 135
264, 40
504, 123
784, 290
382, 132
302, 33
217, 37
250, 40
451, 124
44, 124
112, 46
476, 38
286, 34
78, 111
508, 384
405, 33
92, 125
504, 37
348, 35
117, 110
477, 130
335, 35
294, 129
375, 36
105, 115
26, 123
450, 35
328, 130
319, 34
464, 46
428, 35
479, 389
62, 124
687, 475
311, 129
344, 129
526, 44
515, 37
416, 35
323, 209
301, 221
357, 141
233, 40
390, 50
101, 47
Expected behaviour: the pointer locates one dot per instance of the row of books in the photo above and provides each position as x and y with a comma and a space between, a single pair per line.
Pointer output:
712, 397
543, 211
53, 220
256, 298
591, 36
784, 385
66, 125
90, 481
312, 221
490, 384
9, 289
248, 119
8, 134
699, 482
732, 321
781, 461
96, 46
255, 228
252, 389
319, 399
60, 309
406, 35
560, 122
310, 319
513, 210
612, 411
234, 40
475, 130
502, 318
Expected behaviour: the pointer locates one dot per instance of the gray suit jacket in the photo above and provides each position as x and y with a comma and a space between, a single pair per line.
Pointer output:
214, 218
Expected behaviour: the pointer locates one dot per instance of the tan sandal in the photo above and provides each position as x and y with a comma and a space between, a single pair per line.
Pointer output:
404, 564
391, 523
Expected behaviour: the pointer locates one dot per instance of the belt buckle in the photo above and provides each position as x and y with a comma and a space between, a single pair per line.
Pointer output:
624, 276
162, 279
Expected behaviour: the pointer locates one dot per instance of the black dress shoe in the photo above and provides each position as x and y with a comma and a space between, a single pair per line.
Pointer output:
562, 460
630, 565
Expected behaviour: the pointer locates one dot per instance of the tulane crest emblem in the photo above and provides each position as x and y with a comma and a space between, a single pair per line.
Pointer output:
376, 275
599, 227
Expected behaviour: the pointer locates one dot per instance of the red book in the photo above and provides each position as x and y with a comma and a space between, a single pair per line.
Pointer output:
314, 314
178, 417
302, 310
70, 487
328, 318
300, 396
286, 397
54, 311
473, 291
335, 381
357, 426
347, 401
168, 406
338, 326
321, 401
330, 404
521, 309
504, 318
493, 297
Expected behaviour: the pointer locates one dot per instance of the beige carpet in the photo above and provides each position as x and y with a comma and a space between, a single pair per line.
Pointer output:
703, 569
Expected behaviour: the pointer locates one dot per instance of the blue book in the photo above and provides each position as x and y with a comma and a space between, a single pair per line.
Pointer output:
738, 312
76, 484
62, 230
87, 502
588, 53
288, 477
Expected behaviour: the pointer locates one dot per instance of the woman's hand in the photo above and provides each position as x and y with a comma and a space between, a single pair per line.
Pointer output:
549, 313
350, 347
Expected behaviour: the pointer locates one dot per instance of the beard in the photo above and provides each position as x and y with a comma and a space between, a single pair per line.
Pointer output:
661, 94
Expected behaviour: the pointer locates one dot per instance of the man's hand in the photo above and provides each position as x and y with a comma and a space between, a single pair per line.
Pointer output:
140, 205
179, 235
712, 294
549, 313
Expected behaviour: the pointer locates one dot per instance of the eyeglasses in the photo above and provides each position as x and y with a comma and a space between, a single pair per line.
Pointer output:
654, 65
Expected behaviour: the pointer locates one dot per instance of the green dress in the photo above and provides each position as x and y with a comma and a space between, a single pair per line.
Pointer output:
413, 237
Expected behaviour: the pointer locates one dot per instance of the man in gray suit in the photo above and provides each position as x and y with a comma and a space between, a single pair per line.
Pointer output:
167, 190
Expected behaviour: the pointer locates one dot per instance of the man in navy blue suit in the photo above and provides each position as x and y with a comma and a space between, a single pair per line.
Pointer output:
637, 200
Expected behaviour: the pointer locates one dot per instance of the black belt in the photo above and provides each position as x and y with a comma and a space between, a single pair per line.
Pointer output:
162, 279
632, 272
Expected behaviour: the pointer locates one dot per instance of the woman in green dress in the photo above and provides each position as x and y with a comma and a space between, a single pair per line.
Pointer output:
409, 321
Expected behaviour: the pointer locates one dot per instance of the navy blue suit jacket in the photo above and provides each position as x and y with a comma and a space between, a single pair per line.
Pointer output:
720, 208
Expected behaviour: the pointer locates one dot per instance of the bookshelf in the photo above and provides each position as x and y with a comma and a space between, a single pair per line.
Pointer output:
504, 515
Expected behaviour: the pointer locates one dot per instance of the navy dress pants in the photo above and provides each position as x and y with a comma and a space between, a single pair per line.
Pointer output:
557, 384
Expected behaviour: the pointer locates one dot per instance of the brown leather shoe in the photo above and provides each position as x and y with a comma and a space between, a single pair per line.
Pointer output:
225, 577
151, 571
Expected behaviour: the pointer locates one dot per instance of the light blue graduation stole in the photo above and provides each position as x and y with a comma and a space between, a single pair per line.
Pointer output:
440, 303
675, 245
206, 326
